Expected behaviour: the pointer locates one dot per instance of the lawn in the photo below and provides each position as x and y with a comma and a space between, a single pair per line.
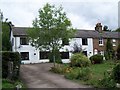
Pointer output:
97, 72
8, 84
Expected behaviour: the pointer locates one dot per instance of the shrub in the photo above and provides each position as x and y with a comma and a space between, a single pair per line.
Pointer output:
14, 59
118, 52
116, 73
96, 59
79, 60
108, 80
56, 70
60, 69
79, 73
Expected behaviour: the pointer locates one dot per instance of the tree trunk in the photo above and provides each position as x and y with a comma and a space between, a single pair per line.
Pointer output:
53, 56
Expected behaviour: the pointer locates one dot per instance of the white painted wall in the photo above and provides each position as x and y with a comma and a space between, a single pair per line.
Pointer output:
35, 58
88, 48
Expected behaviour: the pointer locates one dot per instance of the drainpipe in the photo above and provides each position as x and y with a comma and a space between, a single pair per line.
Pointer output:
15, 45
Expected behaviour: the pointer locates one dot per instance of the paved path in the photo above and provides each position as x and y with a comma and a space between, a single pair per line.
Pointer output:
39, 76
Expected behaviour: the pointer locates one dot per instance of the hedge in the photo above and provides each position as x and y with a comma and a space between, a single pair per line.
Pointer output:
96, 59
10, 65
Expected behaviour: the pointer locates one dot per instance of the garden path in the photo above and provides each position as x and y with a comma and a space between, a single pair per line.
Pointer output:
39, 76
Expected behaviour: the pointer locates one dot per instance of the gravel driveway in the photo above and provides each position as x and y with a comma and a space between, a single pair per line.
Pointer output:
39, 76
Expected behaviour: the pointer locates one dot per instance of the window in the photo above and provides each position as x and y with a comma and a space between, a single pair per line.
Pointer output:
85, 53
95, 51
23, 41
44, 55
114, 42
64, 55
25, 55
65, 42
12, 41
101, 52
84, 41
101, 41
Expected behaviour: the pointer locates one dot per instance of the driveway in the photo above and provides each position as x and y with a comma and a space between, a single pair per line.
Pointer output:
39, 76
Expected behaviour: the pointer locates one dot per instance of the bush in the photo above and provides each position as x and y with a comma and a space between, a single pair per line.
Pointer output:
79, 60
79, 73
61, 69
96, 59
108, 81
116, 73
118, 52
12, 58
56, 70
73, 74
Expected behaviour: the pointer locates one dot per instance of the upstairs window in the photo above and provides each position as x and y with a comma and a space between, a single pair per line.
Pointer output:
23, 41
84, 41
101, 42
114, 42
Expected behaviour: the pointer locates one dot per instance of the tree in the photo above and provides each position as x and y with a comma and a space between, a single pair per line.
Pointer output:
109, 50
6, 44
105, 28
118, 52
77, 48
50, 28
117, 30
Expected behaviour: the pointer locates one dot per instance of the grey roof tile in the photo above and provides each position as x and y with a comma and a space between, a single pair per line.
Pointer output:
19, 31
80, 33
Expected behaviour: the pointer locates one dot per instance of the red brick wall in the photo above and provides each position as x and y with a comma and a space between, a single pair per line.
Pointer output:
102, 48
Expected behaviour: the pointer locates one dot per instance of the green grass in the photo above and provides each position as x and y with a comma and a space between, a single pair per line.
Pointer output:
8, 84
98, 71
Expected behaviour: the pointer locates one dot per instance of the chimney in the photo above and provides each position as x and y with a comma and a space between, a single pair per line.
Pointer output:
98, 27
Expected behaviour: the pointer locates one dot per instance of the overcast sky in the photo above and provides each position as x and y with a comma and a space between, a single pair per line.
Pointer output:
84, 14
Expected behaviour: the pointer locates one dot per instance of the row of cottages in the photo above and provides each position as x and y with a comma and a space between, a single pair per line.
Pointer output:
91, 41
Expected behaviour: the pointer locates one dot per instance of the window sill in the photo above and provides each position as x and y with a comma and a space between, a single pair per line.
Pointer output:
24, 44
114, 45
101, 45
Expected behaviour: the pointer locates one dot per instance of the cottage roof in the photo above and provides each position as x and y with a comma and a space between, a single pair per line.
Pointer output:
95, 34
80, 33
19, 31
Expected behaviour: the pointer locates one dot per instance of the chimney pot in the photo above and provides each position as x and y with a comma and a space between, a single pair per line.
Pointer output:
98, 27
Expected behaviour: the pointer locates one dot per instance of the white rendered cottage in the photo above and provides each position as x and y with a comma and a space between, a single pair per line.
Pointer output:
30, 54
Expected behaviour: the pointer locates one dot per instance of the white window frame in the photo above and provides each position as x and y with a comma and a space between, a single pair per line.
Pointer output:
102, 53
86, 41
114, 42
101, 43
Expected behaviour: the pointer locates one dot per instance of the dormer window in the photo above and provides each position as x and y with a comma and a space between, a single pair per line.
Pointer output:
23, 41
